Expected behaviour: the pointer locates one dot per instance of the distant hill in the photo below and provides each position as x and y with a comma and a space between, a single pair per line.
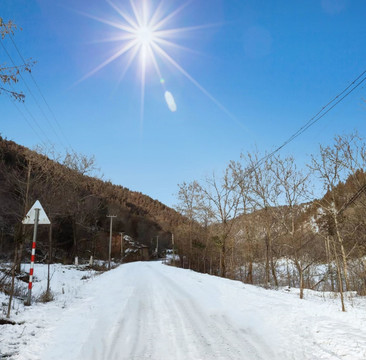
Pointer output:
76, 204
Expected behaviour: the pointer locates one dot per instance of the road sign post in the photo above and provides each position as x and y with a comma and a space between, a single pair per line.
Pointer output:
36, 216
31, 270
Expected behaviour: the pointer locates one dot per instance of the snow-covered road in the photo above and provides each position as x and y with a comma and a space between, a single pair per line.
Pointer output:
152, 311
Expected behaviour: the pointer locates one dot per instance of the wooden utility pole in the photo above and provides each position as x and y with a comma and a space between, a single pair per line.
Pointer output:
173, 249
157, 246
122, 248
110, 240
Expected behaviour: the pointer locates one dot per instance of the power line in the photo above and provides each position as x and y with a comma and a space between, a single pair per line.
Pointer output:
40, 92
32, 117
31, 93
319, 115
354, 197
26, 120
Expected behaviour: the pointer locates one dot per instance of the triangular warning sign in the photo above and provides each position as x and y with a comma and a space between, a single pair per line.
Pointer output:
31, 216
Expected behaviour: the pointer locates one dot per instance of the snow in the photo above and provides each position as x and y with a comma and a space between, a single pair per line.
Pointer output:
153, 311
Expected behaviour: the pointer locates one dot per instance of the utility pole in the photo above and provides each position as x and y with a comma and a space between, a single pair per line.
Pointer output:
122, 249
110, 240
173, 249
157, 246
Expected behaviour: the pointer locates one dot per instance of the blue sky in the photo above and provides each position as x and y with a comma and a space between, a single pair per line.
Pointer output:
271, 64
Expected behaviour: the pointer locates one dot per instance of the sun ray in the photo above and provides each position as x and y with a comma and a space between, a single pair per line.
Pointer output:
123, 14
157, 15
145, 13
171, 44
132, 57
137, 14
143, 81
155, 63
166, 56
172, 32
108, 22
165, 20
117, 38
119, 53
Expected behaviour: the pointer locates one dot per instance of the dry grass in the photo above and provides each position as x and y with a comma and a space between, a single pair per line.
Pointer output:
45, 297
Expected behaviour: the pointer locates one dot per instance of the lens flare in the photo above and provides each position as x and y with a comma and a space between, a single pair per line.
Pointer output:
170, 101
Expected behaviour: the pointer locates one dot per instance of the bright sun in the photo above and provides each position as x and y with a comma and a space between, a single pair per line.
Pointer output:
144, 34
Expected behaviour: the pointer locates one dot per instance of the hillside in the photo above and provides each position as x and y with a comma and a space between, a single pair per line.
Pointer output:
77, 205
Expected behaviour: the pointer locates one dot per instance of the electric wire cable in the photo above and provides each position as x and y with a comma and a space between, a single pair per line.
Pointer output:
319, 115
40, 92
31, 93
26, 120
39, 127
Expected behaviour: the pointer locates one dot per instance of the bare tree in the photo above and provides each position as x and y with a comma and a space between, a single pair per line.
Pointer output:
80, 163
222, 199
331, 167
9, 75
246, 234
76, 199
293, 192
263, 194
189, 198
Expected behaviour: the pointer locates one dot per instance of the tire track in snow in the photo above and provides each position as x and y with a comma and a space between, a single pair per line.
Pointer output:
149, 314
222, 339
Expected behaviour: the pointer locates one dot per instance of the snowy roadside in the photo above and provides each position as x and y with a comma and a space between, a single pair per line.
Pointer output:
86, 314
36, 320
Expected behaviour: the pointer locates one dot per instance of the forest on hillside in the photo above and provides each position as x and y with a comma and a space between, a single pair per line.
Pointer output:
77, 203
262, 223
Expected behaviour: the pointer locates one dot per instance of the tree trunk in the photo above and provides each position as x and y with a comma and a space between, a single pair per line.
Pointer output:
329, 261
26, 208
13, 270
250, 273
301, 276
75, 241
343, 253
1, 241
273, 267
267, 263
222, 263
340, 282
301, 283
288, 274
190, 245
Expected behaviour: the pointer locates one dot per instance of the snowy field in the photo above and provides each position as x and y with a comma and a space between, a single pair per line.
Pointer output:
153, 311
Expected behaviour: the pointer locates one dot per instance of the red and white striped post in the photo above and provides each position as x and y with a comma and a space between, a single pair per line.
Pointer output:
31, 270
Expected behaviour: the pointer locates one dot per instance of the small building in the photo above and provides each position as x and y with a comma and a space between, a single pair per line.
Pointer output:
132, 249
